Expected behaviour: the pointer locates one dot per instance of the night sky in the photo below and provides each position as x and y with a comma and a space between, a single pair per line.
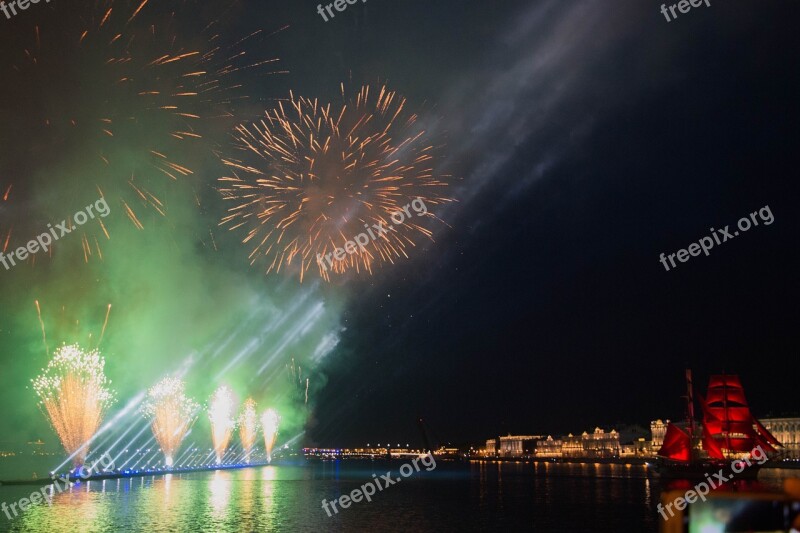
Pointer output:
585, 139
622, 136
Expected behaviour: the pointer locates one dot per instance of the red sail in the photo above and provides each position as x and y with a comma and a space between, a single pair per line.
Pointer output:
726, 387
766, 435
766, 446
711, 446
677, 444
728, 423
711, 426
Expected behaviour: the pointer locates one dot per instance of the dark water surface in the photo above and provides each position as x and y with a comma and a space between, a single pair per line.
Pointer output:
453, 497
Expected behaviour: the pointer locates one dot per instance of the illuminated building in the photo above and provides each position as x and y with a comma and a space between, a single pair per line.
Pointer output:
549, 448
491, 447
572, 446
787, 431
601, 444
447, 451
658, 429
518, 445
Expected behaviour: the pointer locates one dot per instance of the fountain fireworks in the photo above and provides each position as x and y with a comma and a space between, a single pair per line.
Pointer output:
171, 414
74, 395
312, 177
220, 413
248, 427
269, 423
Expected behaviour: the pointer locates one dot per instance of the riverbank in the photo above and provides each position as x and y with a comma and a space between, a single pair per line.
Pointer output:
780, 465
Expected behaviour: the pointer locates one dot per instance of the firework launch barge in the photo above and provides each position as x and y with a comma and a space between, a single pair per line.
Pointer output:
120, 474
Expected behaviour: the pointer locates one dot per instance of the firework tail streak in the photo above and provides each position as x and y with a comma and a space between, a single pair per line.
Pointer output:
350, 247
44, 240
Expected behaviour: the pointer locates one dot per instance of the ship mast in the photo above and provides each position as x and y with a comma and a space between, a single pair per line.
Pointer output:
727, 423
690, 411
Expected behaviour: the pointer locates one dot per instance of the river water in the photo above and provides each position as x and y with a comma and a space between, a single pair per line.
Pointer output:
479, 496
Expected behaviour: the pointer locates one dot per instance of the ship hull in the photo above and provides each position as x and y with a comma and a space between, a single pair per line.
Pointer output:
699, 470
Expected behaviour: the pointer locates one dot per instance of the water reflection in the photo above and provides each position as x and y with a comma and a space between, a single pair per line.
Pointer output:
269, 475
220, 488
81, 504
549, 496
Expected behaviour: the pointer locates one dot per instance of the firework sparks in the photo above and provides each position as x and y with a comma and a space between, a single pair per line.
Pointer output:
171, 414
3, 208
144, 81
248, 427
135, 95
269, 423
313, 176
74, 395
220, 413
298, 383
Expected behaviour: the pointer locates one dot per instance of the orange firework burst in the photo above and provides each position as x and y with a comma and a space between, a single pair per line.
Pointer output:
74, 395
314, 176
171, 414
114, 85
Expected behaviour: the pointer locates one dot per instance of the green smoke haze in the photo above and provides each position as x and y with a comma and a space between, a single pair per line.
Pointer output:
184, 299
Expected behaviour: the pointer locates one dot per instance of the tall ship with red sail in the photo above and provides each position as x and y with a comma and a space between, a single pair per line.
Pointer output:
728, 432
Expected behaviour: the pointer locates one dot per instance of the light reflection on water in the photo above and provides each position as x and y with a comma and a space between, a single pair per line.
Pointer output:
220, 488
454, 497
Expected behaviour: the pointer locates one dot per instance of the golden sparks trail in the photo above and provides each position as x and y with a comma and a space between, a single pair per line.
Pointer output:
41, 323
74, 395
220, 413
171, 415
248, 427
103, 331
309, 177
296, 378
3, 208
